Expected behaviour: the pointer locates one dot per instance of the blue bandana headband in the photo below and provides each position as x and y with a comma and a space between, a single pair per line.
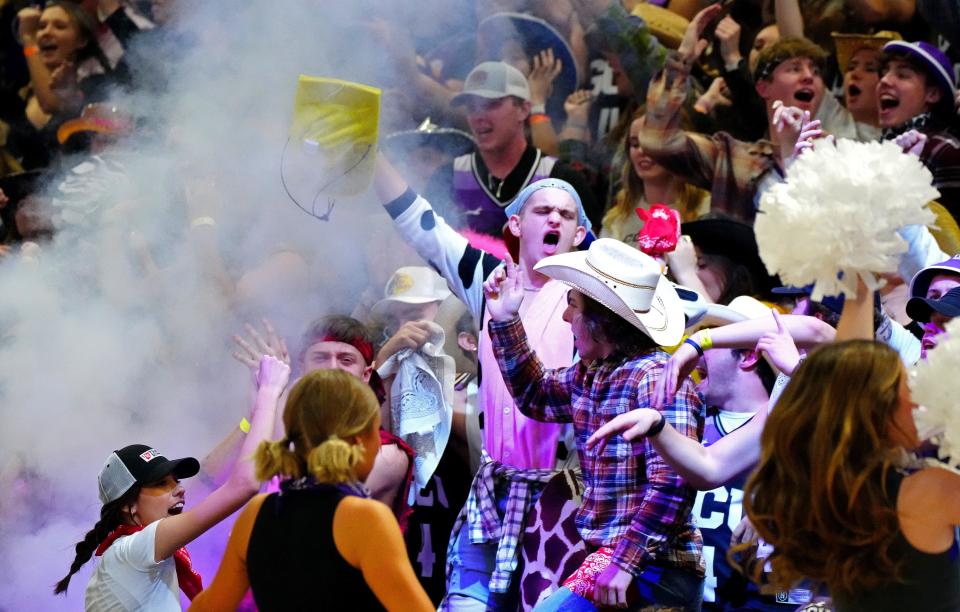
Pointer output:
517, 204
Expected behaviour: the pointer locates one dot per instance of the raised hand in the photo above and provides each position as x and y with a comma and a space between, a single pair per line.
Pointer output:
728, 35
272, 374
250, 352
411, 335
545, 70
911, 142
504, 291
788, 120
809, 132
716, 95
693, 43
28, 22
780, 347
632, 425
680, 365
577, 107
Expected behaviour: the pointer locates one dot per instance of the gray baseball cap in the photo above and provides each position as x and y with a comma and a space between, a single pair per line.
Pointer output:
139, 464
494, 80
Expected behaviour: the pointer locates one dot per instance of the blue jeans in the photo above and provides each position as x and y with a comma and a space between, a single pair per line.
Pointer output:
468, 588
656, 586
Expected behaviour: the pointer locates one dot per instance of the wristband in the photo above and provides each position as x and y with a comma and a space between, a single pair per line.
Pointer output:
705, 340
244, 425
538, 109
657, 427
694, 344
538, 118
203, 221
30, 50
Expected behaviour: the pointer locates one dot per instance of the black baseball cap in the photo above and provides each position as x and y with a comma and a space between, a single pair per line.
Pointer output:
920, 308
139, 464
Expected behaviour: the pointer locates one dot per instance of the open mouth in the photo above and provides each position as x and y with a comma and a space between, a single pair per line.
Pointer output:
887, 102
47, 47
480, 132
853, 91
175, 509
804, 95
551, 238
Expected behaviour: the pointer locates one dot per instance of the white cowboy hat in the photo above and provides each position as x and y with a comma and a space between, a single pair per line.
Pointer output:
626, 281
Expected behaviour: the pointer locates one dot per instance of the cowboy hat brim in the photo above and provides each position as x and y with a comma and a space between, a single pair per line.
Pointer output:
535, 35
663, 322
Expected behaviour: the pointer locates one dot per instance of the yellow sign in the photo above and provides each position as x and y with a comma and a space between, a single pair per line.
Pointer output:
332, 141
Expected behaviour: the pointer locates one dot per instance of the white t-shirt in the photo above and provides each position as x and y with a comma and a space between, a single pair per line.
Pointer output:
127, 577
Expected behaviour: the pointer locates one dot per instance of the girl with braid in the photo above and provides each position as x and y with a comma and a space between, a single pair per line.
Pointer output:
320, 540
143, 525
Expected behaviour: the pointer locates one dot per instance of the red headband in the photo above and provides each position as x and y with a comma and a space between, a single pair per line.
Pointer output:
365, 348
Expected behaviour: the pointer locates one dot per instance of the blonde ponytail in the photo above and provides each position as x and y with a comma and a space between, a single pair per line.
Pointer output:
325, 409
334, 460
276, 459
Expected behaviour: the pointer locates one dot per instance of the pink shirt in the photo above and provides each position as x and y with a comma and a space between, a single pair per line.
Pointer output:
508, 436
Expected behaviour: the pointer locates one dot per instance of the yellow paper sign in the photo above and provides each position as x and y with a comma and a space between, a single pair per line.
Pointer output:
332, 142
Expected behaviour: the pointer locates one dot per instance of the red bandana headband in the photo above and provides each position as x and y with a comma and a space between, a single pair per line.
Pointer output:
365, 348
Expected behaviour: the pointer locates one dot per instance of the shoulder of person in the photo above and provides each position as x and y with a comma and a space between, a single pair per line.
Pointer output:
936, 481
364, 511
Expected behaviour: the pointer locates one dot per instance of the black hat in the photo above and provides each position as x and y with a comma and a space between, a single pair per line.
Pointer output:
920, 308
720, 235
139, 464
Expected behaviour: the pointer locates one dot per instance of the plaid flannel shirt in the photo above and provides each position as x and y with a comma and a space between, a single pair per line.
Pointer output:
483, 521
732, 170
633, 501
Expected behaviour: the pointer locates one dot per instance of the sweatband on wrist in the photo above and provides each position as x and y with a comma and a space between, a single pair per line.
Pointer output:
694, 344
30, 50
538, 118
244, 425
705, 340
657, 427
538, 109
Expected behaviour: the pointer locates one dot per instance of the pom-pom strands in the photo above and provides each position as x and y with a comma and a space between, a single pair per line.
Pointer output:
932, 386
839, 211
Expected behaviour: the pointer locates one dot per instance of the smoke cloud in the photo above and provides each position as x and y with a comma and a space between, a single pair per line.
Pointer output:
115, 333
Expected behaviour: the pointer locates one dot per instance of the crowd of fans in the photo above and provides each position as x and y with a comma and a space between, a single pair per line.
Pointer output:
580, 386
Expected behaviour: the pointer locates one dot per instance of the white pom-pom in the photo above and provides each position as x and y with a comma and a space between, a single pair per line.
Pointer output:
932, 386
839, 211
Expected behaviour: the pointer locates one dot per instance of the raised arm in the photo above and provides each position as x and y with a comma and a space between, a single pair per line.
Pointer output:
40, 78
177, 531
461, 265
216, 465
541, 394
789, 18
806, 332
856, 320
231, 582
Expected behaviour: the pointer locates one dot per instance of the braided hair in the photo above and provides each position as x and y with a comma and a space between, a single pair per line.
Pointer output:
112, 515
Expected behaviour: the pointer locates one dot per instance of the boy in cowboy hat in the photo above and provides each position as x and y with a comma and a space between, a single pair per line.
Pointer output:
635, 515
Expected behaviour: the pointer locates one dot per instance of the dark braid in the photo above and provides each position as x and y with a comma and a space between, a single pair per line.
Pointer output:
111, 516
